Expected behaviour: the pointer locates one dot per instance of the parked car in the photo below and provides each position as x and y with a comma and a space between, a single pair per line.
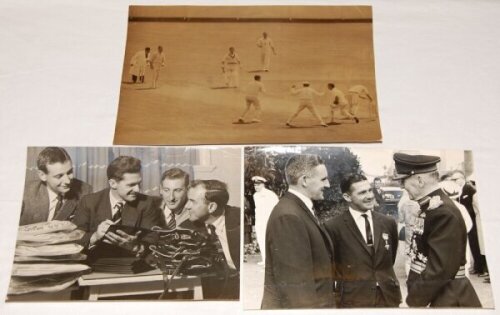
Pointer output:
391, 196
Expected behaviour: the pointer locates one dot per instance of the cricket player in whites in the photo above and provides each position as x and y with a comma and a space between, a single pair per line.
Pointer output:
354, 94
157, 61
266, 46
254, 88
231, 68
337, 100
306, 95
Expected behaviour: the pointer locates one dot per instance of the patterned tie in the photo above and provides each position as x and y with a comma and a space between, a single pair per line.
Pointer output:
118, 214
171, 223
58, 207
369, 236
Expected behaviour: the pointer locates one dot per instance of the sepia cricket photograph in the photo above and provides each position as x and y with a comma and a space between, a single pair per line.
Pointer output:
248, 74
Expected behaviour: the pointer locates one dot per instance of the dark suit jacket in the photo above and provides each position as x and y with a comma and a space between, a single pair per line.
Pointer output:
443, 242
229, 287
380, 201
95, 208
358, 269
35, 206
299, 258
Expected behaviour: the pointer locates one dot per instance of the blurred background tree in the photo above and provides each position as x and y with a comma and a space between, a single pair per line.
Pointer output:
269, 162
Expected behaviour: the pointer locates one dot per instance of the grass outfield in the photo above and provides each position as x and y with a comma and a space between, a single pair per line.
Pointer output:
184, 109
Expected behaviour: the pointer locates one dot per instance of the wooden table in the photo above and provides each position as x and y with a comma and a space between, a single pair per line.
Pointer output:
102, 285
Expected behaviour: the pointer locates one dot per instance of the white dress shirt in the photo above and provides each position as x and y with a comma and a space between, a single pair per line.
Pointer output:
308, 202
220, 230
179, 218
52, 204
360, 221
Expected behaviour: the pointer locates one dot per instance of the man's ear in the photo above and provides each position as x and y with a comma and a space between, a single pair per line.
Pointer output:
212, 206
303, 181
113, 183
346, 197
42, 176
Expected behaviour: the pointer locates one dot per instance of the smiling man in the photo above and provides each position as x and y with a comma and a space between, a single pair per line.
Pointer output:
207, 205
121, 203
55, 195
366, 244
173, 190
299, 251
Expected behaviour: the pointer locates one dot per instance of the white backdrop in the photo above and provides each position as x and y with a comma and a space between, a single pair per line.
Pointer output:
438, 85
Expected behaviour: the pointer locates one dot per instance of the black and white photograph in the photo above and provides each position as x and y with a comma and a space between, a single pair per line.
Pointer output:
129, 223
347, 227
248, 74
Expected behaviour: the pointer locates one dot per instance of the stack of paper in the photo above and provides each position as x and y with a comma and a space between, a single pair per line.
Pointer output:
47, 258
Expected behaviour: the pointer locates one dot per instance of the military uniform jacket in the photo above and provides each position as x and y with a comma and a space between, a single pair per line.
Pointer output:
359, 269
35, 206
299, 258
437, 275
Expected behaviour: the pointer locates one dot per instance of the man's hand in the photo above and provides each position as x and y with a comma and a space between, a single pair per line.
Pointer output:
123, 240
102, 228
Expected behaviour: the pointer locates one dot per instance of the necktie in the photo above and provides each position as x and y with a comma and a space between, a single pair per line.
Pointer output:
171, 224
58, 206
118, 214
369, 236
216, 242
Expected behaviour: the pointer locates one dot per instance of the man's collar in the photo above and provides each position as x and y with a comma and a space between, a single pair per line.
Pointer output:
355, 213
52, 194
113, 200
306, 200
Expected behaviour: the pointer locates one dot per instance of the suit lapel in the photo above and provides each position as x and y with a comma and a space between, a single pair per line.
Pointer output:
323, 231
377, 232
42, 208
349, 221
66, 211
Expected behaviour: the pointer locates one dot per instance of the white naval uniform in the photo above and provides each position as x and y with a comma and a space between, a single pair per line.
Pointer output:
265, 200
354, 94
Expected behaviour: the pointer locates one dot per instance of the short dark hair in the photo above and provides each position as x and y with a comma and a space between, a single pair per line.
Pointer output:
257, 77
121, 165
331, 85
377, 179
175, 173
216, 191
51, 155
299, 165
347, 182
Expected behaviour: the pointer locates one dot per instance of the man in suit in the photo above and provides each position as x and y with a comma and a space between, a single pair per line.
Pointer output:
379, 205
56, 193
173, 190
467, 195
207, 204
437, 268
122, 204
366, 244
298, 272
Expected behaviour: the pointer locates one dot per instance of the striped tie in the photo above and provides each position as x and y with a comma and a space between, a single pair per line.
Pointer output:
117, 217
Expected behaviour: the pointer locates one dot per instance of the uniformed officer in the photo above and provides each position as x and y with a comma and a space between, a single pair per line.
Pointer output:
437, 270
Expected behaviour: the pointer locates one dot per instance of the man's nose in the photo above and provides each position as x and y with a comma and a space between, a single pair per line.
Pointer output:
171, 196
136, 188
66, 179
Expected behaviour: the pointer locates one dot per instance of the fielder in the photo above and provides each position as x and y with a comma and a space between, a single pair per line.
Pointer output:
254, 88
266, 46
337, 100
231, 68
157, 61
306, 95
138, 65
354, 94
